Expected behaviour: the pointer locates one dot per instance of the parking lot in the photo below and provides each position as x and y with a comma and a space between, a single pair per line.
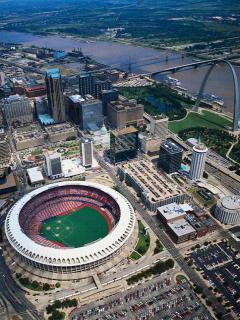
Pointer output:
221, 267
159, 299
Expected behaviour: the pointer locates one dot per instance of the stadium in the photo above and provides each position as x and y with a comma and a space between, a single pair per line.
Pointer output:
70, 227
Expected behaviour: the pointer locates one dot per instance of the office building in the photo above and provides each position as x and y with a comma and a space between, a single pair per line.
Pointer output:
86, 151
53, 165
61, 132
149, 144
123, 144
91, 114
170, 157
7, 181
28, 137
198, 161
5, 153
93, 84
101, 85
158, 125
125, 112
74, 107
181, 231
17, 110
86, 84
107, 96
55, 95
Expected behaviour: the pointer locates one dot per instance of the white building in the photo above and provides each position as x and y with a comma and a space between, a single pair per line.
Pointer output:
228, 210
35, 176
53, 165
86, 150
198, 161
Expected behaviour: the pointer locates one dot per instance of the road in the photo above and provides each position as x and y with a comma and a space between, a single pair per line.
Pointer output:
169, 245
12, 293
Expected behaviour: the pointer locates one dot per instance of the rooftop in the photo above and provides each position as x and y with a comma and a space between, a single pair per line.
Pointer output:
171, 211
171, 147
53, 73
124, 131
231, 202
155, 185
35, 175
181, 227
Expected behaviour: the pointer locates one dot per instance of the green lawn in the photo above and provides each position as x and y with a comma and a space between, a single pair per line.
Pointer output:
206, 119
143, 242
75, 229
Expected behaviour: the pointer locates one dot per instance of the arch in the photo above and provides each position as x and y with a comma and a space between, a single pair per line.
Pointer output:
236, 111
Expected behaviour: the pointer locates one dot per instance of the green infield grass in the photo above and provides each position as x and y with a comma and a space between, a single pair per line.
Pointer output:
76, 228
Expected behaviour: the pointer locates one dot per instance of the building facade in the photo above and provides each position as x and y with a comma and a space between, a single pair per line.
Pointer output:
5, 154
53, 165
55, 95
17, 109
91, 114
170, 157
123, 144
86, 151
198, 161
124, 112
228, 210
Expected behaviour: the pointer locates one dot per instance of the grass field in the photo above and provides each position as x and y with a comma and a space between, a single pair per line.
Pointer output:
143, 242
75, 229
206, 119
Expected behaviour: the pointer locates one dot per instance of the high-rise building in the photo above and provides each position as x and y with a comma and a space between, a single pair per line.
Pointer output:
100, 85
4, 149
170, 157
123, 144
107, 96
86, 84
53, 165
55, 95
74, 107
158, 125
91, 114
86, 151
124, 112
198, 161
17, 109
93, 85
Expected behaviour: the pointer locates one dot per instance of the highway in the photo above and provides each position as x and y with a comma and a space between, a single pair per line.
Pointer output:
169, 245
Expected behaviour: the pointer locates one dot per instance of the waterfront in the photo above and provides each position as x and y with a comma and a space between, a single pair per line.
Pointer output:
143, 60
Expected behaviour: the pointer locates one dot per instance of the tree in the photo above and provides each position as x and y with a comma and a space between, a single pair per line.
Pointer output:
46, 286
58, 285
35, 284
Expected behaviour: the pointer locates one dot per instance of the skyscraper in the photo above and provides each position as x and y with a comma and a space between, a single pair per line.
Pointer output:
93, 85
198, 161
53, 165
170, 157
55, 95
17, 109
86, 150
123, 144
86, 84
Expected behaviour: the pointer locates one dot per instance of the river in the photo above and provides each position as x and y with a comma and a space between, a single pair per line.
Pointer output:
142, 59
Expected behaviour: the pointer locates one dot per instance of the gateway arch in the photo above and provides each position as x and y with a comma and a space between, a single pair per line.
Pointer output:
236, 111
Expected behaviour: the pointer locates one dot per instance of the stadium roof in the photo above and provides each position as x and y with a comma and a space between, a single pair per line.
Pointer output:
67, 257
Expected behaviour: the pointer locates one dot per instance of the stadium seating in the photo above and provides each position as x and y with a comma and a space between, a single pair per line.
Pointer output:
60, 201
